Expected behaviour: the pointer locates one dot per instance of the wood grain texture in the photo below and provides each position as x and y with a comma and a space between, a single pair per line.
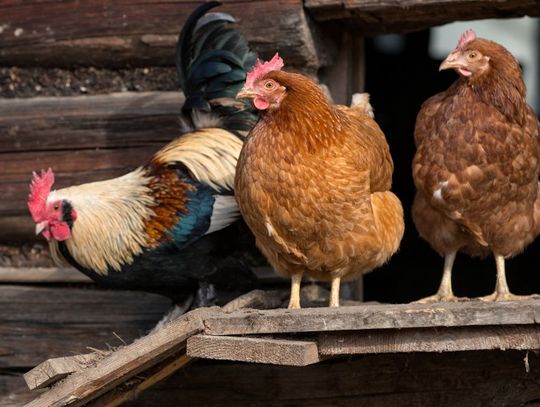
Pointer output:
469, 379
83, 138
37, 323
41, 275
101, 33
81, 387
284, 352
376, 17
368, 317
440, 339
55, 369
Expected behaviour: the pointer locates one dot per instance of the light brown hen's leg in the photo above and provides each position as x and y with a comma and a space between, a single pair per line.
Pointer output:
445, 292
296, 280
334, 292
502, 292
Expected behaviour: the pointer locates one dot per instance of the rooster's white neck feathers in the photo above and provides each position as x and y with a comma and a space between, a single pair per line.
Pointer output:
110, 226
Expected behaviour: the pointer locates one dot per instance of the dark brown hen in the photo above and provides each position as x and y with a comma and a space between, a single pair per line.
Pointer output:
477, 163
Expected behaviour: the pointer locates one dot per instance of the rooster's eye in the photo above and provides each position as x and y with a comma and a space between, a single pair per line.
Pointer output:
269, 85
56, 207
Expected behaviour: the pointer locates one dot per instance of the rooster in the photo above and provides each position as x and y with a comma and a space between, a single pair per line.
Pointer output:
168, 226
477, 163
313, 182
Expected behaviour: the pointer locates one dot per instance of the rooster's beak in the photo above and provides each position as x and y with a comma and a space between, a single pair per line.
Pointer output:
245, 94
41, 226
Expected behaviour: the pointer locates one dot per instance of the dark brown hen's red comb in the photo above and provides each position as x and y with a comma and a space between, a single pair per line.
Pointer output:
39, 191
465, 38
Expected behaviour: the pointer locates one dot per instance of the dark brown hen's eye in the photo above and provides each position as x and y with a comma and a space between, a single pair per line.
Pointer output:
269, 85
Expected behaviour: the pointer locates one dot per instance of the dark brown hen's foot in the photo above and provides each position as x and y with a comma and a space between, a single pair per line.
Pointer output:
509, 297
441, 298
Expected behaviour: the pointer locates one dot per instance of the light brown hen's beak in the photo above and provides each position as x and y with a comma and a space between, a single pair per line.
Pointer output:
245, 94
453, 61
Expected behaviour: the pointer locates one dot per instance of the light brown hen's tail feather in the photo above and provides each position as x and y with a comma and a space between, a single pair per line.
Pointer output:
388, 214
537, 213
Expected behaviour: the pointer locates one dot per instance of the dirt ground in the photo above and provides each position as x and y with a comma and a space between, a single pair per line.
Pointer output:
31, 82
27, 255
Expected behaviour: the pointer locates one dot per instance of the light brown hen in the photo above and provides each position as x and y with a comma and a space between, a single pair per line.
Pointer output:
313, 182
477, 163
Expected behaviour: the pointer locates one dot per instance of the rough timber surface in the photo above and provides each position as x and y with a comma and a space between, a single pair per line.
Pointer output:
373, 17
374, 316
83, 138
119, 33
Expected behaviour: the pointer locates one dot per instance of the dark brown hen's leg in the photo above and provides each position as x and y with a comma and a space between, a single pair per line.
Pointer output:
445, 292
502, 292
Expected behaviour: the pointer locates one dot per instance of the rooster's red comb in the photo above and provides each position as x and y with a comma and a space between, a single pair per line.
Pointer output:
465, 38
261, 69
39, 191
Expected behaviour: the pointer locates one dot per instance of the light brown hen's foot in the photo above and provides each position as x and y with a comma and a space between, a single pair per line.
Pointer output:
508, 297
296, 280
441, 298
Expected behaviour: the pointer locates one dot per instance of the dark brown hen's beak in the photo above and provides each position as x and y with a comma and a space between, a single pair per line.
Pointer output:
245, 94
453, 61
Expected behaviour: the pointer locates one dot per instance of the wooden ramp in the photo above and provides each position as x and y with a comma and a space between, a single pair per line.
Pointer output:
247, 330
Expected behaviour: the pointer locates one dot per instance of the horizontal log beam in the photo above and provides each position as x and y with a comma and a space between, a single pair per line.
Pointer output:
116, 34
373, 17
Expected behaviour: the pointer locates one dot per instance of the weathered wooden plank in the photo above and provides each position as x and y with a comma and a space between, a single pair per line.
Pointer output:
84, 386
37, 323
257, 299
55, 369
141, 383
369, 317
101, 33
484, 378
375, 17
440, 339
254, 350
41, 275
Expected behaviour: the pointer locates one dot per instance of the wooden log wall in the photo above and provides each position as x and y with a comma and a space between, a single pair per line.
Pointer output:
93, 137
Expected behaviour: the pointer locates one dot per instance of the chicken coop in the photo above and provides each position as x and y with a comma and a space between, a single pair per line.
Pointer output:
90, 90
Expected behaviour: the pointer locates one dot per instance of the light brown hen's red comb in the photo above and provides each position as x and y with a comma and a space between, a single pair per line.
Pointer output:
465, 38
39, 191
261, 69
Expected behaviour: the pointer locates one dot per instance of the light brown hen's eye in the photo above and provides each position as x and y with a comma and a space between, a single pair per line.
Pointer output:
472, 55
269, 85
